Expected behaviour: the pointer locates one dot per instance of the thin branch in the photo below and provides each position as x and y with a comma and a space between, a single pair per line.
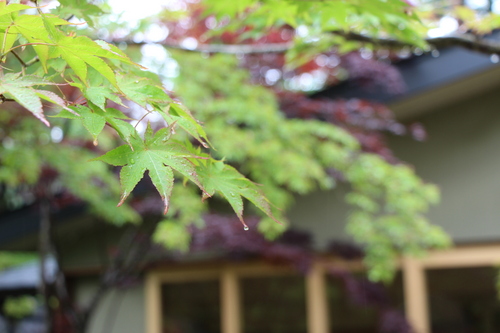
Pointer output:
45, 249
467, 41
32, 61
19, 59
3, 99
227, 48
235, 49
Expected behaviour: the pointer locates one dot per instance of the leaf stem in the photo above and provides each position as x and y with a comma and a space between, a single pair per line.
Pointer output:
19, 59
3, 99
142, 118
32, 61
21, 45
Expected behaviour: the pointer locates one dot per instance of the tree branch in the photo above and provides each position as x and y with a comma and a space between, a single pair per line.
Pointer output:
19, 59
467, 41
45, 249
226, 48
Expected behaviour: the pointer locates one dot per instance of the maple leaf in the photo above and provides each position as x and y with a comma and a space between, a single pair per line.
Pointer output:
79, 8
232, 185
32, 27
143, 91
20, 88
98, 91
179, 114
94, 119
158, 157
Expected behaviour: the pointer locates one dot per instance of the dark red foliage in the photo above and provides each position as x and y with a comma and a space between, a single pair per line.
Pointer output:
370, 72
345, 250
366, 121
225, 234
394, 321
362, 291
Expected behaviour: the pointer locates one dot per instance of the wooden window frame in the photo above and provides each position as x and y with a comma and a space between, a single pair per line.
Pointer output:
415, 284
230, 277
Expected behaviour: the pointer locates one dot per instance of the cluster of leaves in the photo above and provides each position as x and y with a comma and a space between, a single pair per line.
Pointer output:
8, 259
479, 20
102, 73
367, 120
391, 18
285, 155
33, 164
19, 307
301, 156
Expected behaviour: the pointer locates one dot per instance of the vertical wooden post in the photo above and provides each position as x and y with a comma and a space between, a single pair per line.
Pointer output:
415, 291
317, 303
230, 302
153, 304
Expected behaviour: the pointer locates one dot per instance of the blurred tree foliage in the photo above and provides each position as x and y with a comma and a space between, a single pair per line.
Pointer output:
106, 105
203, 121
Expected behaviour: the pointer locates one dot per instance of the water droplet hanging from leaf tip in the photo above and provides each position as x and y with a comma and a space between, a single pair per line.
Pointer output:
246, 228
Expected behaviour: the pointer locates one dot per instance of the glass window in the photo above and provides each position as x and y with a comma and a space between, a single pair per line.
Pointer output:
463, 300
355, 312
274, 304
192, 307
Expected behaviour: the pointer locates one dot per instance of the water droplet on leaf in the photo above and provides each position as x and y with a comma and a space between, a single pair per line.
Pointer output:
246, 228
95, 142
166, 203
132, 161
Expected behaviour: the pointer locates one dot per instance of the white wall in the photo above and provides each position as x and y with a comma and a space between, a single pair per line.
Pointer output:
461, 156
120, 311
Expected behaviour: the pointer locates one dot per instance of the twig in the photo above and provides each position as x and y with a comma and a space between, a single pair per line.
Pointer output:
44, 245
19, 59
235, 49
32, 61
3, 99
226, 48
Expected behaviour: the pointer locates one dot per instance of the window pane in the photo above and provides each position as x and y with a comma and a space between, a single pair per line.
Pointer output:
463, 300
358, 311
191, 307
274, 305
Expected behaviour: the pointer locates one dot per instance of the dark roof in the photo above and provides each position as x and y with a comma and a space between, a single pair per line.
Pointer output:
26, 221
421, 73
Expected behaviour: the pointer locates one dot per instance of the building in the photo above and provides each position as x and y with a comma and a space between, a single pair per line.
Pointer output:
455, 96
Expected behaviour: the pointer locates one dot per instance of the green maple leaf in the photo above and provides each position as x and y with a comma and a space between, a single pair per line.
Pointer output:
94, 119
7, 14
79, 52
80, 9
179, 114
143, 91
33, 28
98, 91
20, 88
156, 156
233, 186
